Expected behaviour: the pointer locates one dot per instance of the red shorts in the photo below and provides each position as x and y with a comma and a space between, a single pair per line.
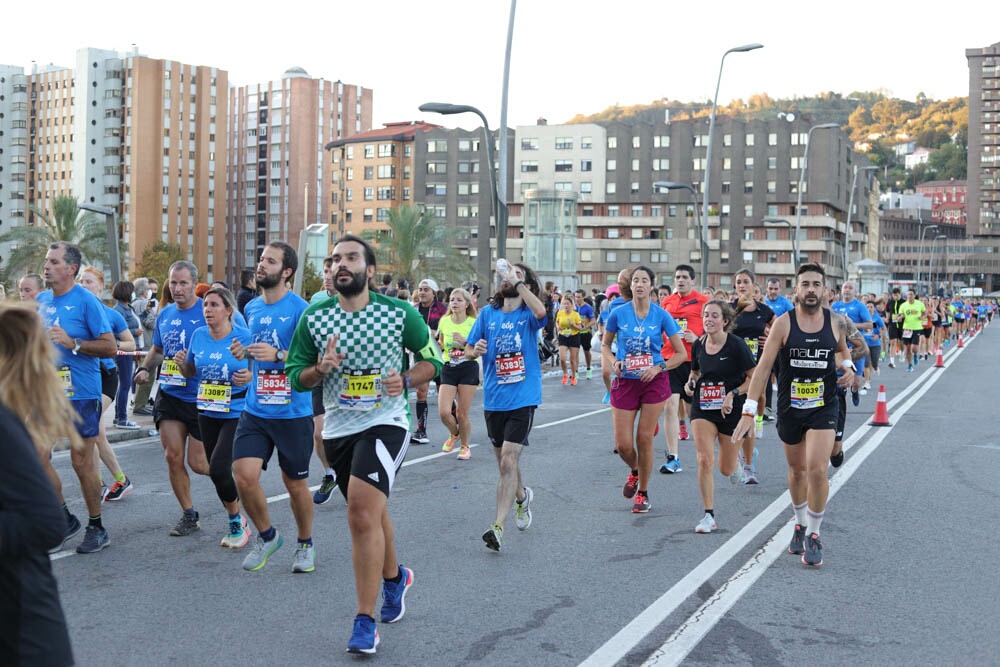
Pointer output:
631, 394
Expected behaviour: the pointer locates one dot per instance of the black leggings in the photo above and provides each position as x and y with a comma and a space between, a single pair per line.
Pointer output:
217, 434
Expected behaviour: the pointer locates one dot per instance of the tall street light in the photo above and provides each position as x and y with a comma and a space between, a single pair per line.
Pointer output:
499, 207
708, 149
795, 241
109, 217
847, 218
702, 233
802, 175
920, 251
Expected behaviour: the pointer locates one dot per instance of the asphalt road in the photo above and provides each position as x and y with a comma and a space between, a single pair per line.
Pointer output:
905, 580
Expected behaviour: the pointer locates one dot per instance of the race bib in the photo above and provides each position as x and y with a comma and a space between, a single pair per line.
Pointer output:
711, 396
510, 368
215, 395
907, 333
637, 363
682, 323
66, 378
807, 395
360, 389
456, 355
752, 344
273, 387
170, 374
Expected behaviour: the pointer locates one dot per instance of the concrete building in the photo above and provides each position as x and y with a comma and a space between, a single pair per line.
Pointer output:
948, 201
15, 146
984, 140
280, 178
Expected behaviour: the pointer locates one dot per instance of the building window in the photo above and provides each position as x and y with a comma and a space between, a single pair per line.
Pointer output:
437, 146
529, 166
772, 210
564, 165
635, 164
772, 187
612, 142
772, 162
661, 164
586, 142
772, 139
748, 211
387, 171
747, 187
564, 143
369, 152
635, 257
438, 189
748, 163
586, 165
611, 188
661, 141
634, 188
749, 140
612, 165
636, 213
586, 187
656, 210
437, 167
564, 186
635, 142
369, 173
369, 194
727, 163
586, 256
613, 213
529, 144
610, 256
525, 186
613, 231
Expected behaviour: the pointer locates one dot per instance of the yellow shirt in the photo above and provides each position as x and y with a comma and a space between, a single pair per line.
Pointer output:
452, 352
569, 324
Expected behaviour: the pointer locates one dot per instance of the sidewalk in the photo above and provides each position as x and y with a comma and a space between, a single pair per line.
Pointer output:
122, 435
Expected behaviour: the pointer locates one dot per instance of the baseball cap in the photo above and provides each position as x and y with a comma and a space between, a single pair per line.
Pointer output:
613, 289
429, 283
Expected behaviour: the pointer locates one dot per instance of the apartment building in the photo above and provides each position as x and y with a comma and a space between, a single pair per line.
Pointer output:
280, 179
15, 147
984, 141
948, 201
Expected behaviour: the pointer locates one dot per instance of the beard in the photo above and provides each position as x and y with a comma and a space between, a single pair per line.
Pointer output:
269, 280
509, 292
359, 281
810, 304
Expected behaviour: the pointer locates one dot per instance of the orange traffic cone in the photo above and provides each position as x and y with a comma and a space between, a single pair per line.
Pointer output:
940, 358
881, 417
960, 341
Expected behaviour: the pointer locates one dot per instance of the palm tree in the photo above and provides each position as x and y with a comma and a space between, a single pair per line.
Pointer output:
87, 231
417, 246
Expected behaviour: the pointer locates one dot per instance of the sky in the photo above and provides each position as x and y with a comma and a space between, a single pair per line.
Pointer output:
568, 56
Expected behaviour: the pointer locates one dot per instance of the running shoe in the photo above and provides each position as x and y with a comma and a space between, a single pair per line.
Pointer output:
797, 545
143, 412
104, 491
631, 485
565, 378
420, 437
73, 528
607, 398
748, 475
863, 392
683, 431
590, 374
523, 509
464, 453
126, 425
672, 466
753, 465
239, 534
855, 398
94, 540
640, 503
758, 427
868, 385
909, 369
837, 460
737, 475
119, 490
304, 559
494, 537
892, 362
706, 525
916, 360
814, 551
364, 637
186, 526
325, 490
449, 444
394, 596
572, 381
262, 550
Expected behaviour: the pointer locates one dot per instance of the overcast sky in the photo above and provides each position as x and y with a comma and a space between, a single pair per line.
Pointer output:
568, 56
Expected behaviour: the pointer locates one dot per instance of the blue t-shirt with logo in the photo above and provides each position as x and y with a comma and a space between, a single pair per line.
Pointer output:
271, 393
118, 325
172, 333
639, 340
615, 302
873, 337
586, 312
780, 306
512, 371
81, 315
215, 365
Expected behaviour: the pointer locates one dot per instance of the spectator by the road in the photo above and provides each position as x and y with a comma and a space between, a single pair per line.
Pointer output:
248, 289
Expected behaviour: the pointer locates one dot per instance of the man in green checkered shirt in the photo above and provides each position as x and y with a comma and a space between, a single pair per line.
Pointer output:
353, 343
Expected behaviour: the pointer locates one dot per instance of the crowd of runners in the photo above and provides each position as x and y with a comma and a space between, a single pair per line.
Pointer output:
240, 376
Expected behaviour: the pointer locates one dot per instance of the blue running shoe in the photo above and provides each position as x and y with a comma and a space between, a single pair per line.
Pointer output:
672, 466
607, 398
855, 397
364, 638
325, 490
393, 596
94, 540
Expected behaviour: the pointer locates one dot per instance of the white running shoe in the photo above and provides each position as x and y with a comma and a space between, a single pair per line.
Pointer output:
706, 525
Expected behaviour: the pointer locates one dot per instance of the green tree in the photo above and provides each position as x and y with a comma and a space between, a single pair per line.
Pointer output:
948, 162
417, 246
156, 260
65, 222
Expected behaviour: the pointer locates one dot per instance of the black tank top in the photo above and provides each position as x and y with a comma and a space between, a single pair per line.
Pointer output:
807, 367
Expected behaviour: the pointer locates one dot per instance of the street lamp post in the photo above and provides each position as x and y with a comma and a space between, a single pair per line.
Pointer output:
847, 218
484, 260
920, 251
708, 148
802, 175
112, 228
703, 232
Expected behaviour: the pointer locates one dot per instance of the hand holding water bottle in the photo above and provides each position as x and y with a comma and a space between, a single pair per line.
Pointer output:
505, 271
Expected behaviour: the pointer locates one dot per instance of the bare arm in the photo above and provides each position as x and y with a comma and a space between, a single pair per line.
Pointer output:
860, 350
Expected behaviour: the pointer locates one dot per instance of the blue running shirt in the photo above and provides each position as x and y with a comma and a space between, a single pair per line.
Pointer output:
118, 325
271, 394
216, 395
81, 315
639, 340
512, 371
172, 333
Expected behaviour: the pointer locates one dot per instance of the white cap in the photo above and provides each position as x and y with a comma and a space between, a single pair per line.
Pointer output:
429, 283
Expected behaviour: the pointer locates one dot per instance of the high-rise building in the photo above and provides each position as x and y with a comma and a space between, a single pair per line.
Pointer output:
984, 141
15, 147
280, 178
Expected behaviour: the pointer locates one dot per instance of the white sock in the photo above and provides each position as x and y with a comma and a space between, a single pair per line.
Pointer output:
800, 513
328, 471
814, 519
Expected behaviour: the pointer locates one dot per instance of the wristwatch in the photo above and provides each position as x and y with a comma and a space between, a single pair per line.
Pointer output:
735, 392
663, 366
280, 355
78, 344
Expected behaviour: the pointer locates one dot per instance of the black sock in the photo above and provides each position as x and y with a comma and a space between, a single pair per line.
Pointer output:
635, 472
670, 457
365, 616
710, 513
268, 535
395, 580
191, 512
95, 521
421, 415
644, 494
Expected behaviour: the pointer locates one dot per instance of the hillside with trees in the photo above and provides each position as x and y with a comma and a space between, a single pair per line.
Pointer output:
875, 122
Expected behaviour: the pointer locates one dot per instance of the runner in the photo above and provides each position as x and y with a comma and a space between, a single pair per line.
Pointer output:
721, 366
751, 323
459, 376
854, 310
859, 352
29, 287
617, 294
221, 378
809, 344
685, 305
77, 325
122, 293
175, 411
505, 335
779, 304
361, 335
569, 324
431, 310
873, 339
642, 383
893, 327
329, 482
586, 310
910, 317
276, 417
